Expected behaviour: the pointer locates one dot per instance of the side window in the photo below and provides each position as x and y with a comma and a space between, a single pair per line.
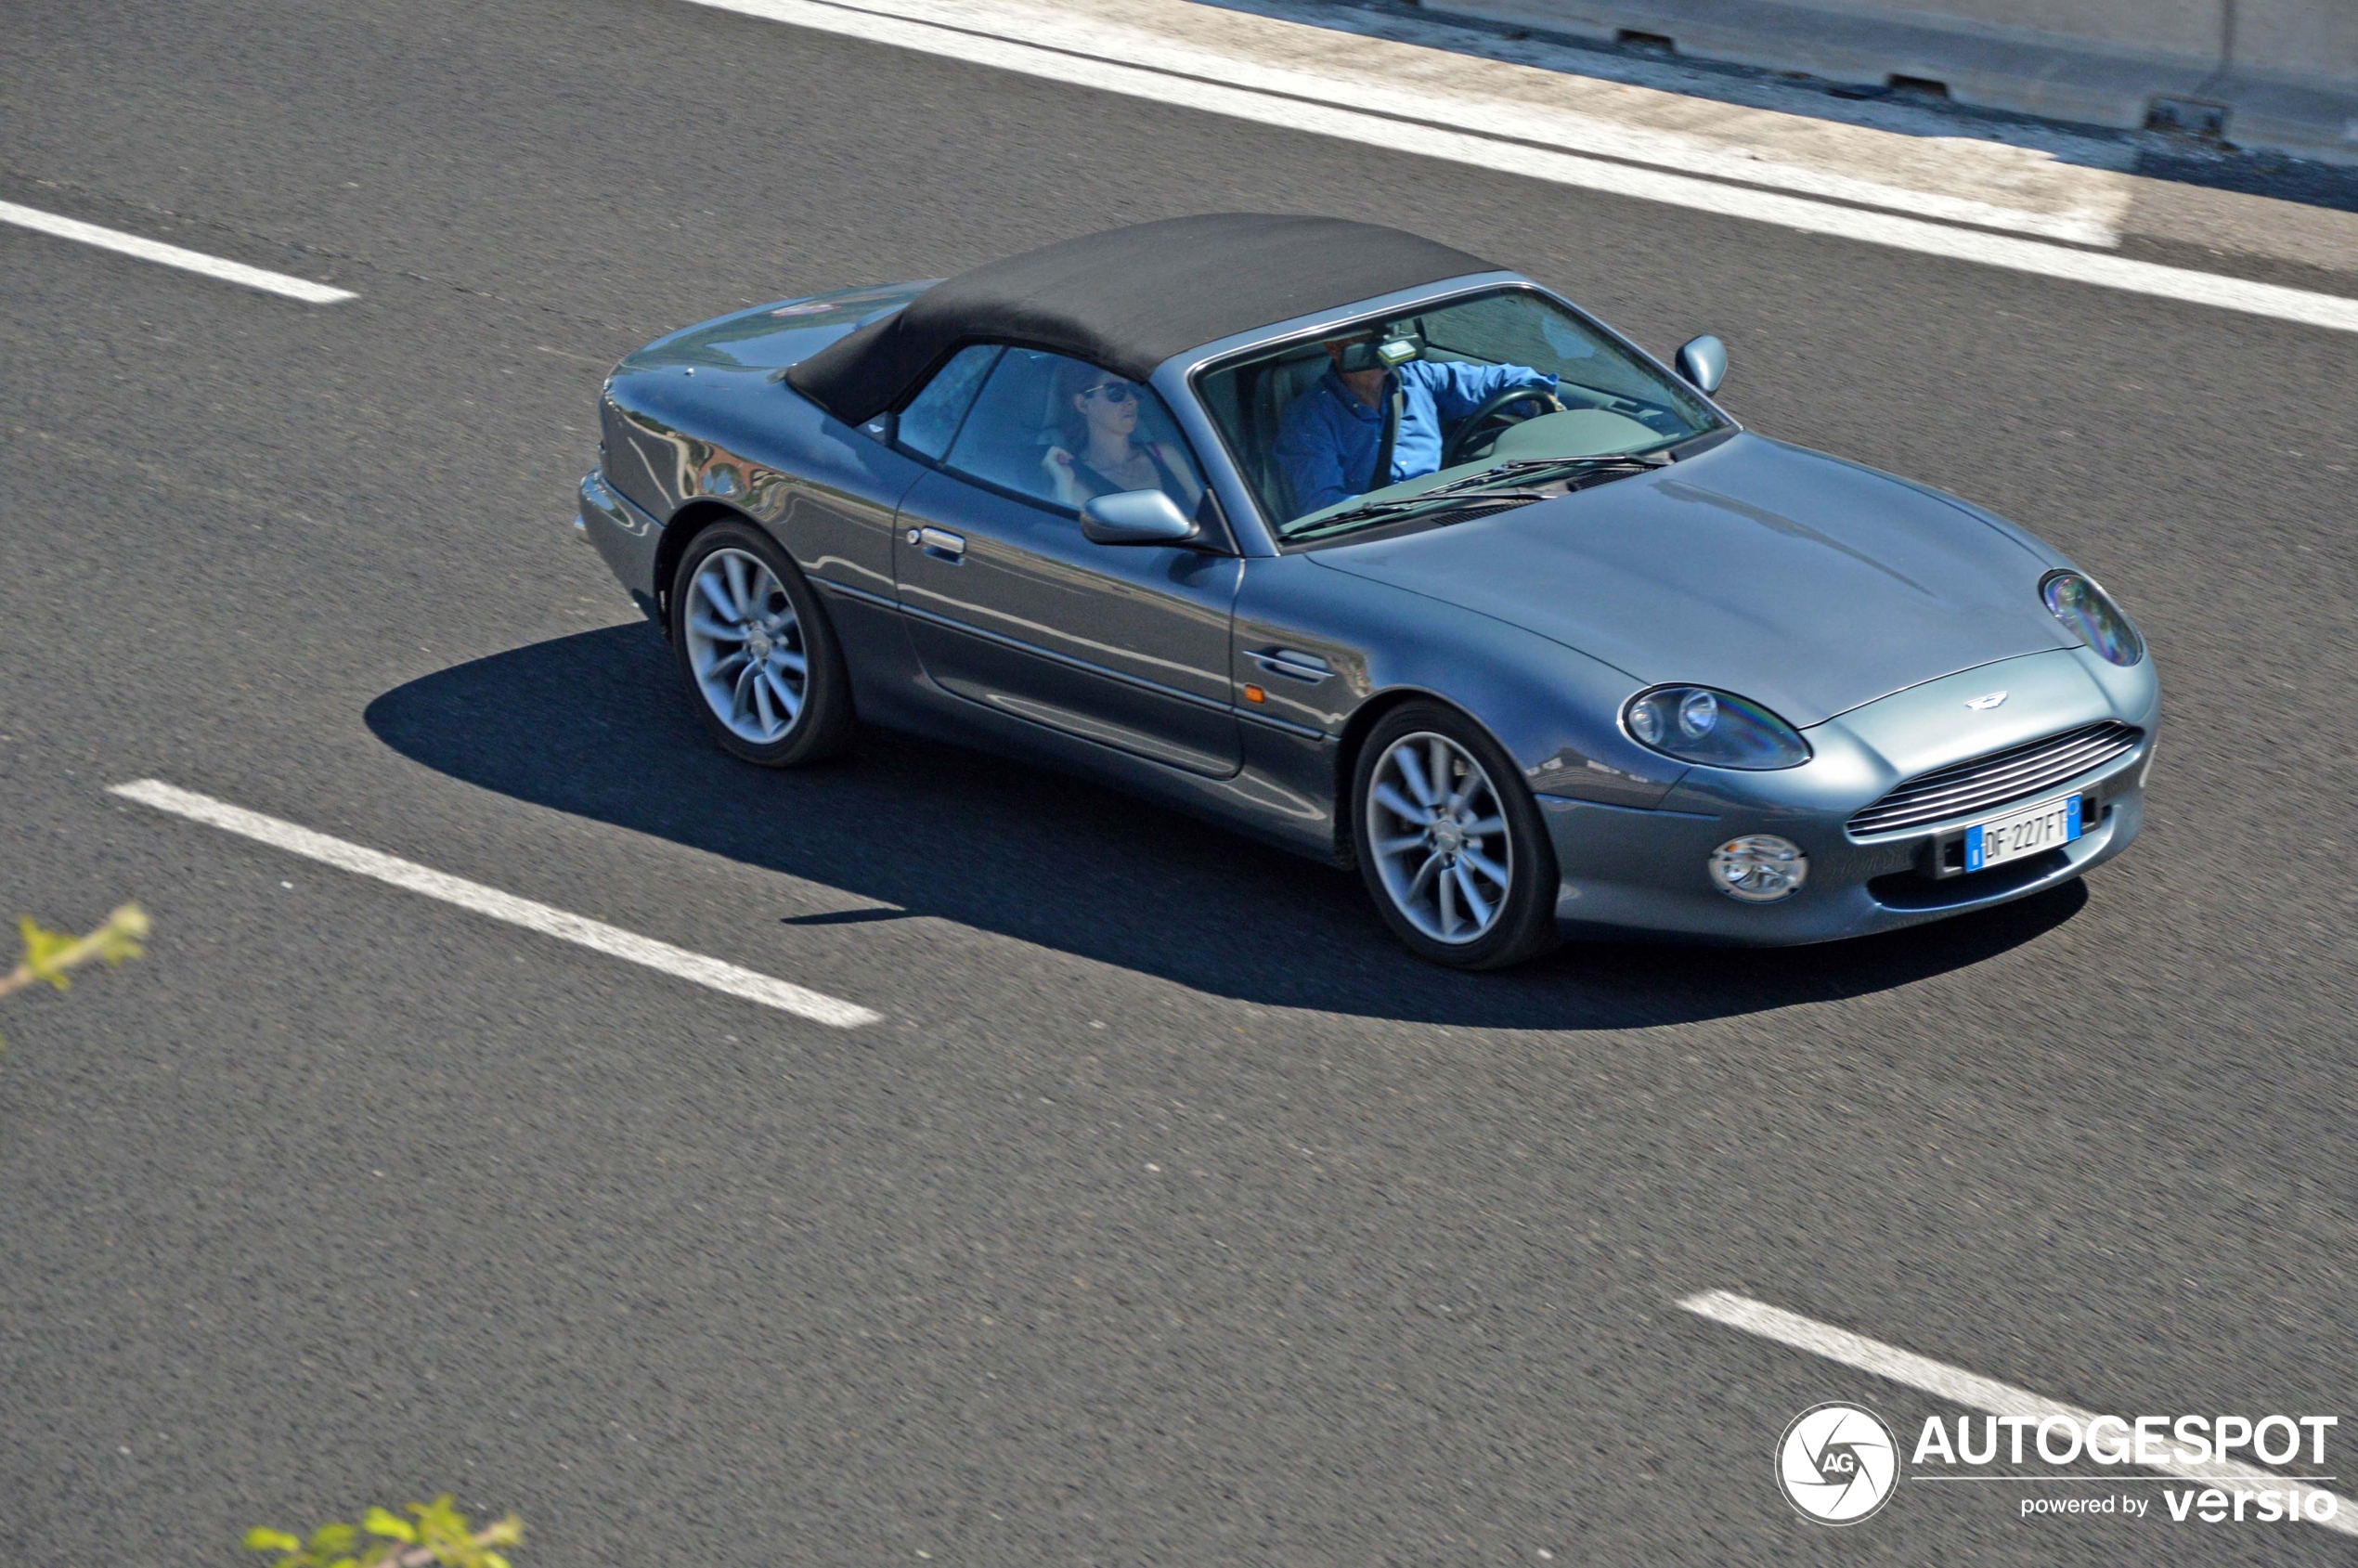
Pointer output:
1062, 431
929, 421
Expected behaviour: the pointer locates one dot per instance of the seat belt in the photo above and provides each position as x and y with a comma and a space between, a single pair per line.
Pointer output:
1394, 410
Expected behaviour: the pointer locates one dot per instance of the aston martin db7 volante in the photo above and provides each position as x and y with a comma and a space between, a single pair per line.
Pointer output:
1354, 542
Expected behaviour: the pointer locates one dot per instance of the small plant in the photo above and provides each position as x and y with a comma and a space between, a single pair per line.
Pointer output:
48, 954
441, 1534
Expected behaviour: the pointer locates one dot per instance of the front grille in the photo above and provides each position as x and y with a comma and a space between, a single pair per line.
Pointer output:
2016, 773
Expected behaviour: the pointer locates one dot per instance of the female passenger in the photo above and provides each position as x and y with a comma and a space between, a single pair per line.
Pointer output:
1096, 414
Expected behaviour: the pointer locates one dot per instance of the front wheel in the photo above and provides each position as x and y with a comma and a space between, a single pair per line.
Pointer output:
1450, 842
756, 652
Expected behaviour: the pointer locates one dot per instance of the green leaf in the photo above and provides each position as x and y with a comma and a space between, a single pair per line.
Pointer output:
379, 1522
40, 949
118, 939
329, 1539
263, 1539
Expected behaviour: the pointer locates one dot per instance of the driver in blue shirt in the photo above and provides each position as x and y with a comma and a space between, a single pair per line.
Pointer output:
1330, 436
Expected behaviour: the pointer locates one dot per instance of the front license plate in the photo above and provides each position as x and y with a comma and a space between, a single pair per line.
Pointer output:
2049, 826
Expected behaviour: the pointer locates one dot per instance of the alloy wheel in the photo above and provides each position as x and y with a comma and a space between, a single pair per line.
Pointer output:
1438, 836
745, 646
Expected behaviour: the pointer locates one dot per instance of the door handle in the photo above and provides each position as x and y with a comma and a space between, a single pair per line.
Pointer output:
1294, 665
939, 542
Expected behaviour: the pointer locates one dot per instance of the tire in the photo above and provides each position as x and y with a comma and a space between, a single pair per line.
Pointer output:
742, 620
1435, 859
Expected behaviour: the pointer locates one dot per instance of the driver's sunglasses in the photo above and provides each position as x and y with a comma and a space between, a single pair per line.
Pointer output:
1113, 392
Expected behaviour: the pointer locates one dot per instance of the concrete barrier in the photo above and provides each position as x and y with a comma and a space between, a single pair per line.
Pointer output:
2262, 74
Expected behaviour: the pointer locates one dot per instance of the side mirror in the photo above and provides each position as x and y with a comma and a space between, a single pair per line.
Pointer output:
1703, 361
1135, 517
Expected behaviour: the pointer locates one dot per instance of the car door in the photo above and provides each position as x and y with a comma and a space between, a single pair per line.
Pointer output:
1010, 606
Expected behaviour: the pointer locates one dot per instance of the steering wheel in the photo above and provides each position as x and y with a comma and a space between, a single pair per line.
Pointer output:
1489, 413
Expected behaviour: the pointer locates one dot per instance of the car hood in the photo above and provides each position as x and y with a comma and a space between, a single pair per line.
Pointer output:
1799, 580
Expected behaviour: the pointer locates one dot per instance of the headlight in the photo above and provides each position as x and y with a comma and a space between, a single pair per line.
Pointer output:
2091, 617
1717, 729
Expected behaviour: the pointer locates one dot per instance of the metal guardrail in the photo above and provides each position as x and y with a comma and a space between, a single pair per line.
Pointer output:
2261, 74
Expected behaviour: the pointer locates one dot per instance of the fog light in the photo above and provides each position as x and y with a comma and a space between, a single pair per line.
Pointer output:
1759, 868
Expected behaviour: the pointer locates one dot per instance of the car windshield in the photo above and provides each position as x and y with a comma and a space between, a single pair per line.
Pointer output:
1386, 409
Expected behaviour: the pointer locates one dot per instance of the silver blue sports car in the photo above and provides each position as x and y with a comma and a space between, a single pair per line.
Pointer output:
1359, 544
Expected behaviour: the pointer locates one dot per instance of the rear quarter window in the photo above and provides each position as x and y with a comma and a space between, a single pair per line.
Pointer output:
930, 422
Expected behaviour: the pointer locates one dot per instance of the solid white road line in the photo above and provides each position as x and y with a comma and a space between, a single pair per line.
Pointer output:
1961, 1387
173, 255
595, 935
1990, 186
1139, 73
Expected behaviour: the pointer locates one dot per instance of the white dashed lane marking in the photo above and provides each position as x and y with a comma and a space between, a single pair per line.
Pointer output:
171, 255
1974, 1391
595, 935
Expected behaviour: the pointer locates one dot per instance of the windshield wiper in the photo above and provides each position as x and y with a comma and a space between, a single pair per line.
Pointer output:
1469, 488
1525, 468
1377, 511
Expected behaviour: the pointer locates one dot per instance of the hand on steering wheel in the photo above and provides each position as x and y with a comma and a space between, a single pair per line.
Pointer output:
1490, 408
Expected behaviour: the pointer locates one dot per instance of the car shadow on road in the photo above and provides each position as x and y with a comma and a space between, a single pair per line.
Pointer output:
595, 724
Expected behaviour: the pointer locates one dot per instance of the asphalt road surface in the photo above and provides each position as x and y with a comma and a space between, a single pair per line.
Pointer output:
1171, 1214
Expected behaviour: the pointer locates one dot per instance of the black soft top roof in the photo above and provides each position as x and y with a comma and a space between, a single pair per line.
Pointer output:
1128, 299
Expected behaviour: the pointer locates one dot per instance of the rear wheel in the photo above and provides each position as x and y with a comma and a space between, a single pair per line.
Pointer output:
755, 649
1450, 842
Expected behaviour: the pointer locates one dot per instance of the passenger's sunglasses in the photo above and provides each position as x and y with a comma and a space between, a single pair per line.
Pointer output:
1112, 392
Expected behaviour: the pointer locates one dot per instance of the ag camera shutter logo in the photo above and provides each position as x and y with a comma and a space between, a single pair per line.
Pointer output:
1837, 1463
